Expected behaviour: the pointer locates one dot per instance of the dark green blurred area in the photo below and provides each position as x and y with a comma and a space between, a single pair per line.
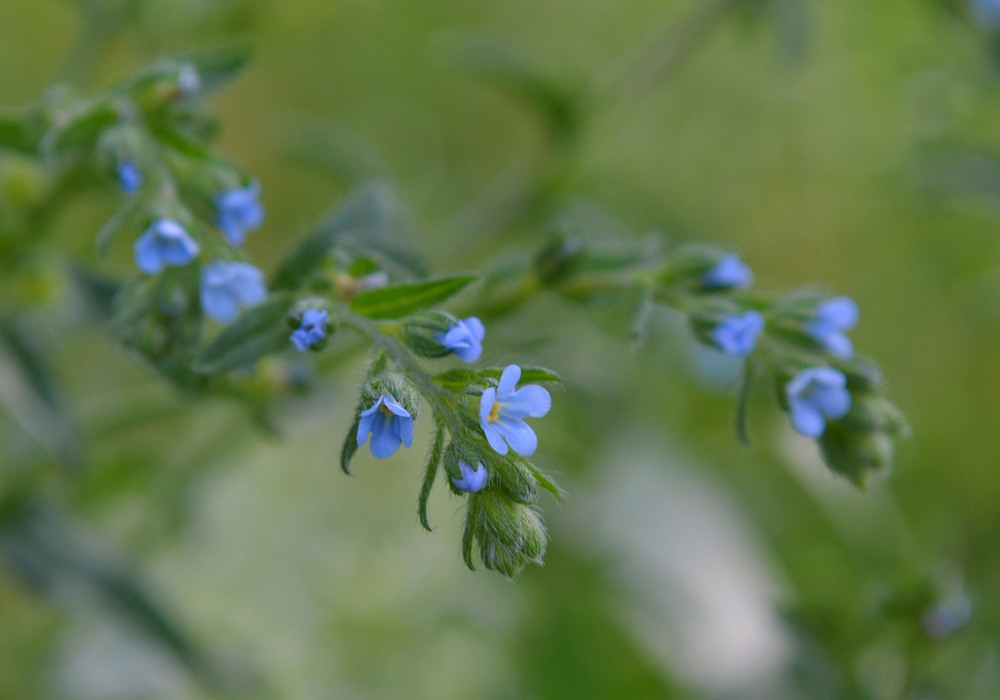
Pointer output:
831, 143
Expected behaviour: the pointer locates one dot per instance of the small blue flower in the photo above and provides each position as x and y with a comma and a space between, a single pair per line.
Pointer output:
239, 212
312, 330
814, 395
465, 339
830, 320
164, 243
737, 334
389, 424
729, 273
472, 479
129, 176
502, 412
188, 80
226, 285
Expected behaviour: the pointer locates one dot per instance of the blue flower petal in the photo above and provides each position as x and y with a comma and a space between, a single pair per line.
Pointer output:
807, 420
365, 424
476, 328
147, 253
472, 480
384, 441
508, 381
840, 313
494, 438
394, 406
404, 429
219, 304
531, 400
486, 402
519, 435
838, 345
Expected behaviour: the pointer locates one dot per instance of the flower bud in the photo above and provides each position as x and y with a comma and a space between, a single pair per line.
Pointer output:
382, 381
706, 268
509, 535
422, 333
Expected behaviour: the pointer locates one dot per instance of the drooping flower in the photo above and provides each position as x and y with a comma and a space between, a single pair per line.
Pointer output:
239, 212
502, 412
164, 243
312, 330
129, 176
815, 395
465, 339
227, 285
737, 334
389, 424
472, 480
729, 273
830, 321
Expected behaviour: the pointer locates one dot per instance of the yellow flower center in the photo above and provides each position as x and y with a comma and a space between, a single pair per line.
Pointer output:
385, 409
494, 413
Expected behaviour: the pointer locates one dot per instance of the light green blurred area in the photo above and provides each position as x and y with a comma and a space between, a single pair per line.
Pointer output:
682, 565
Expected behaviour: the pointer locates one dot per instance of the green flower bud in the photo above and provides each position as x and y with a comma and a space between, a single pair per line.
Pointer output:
855, 455
381, 381
421, 333
509, 535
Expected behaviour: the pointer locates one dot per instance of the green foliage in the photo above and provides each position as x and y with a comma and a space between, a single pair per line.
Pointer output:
401, 300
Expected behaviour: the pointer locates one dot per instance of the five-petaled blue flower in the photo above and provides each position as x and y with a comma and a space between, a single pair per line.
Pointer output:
465, 339
239, 212
389, 423
227, 285
737, 334
472, 479
729, 273
502, 412
814, 395
830, 320
129, 176
164, 243
312, 330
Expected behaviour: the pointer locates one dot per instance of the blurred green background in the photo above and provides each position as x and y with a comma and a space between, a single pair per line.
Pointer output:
846, 143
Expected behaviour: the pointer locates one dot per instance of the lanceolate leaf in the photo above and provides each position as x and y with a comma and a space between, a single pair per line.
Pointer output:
459, 379
431, 472
402, 300
350, 447
258, 332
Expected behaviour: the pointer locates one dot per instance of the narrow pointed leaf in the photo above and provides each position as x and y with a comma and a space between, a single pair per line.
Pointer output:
429, 474
350, 447
260, 331
402, 300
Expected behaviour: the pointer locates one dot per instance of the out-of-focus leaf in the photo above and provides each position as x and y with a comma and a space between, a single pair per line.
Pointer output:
29, 397
402, 300
498, 63
129, 215
79, 129
334, 150
37, 547
364, 213
218, 66
15, 133
260, 331
95, 292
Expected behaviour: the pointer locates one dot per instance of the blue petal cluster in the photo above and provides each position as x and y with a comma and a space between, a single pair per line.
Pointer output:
831, 320
815, 395
389, 424
472, 480
129, 176
239, 212
312, 330
502, 412
465, 339
227, 285
729, 273
737, 334
164, 243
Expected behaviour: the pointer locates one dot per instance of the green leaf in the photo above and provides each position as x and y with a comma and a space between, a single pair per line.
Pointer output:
127, 216
350, 446
468, 536
217, 66
260, 331
363, 213
746, 384
402, 300
437, 450
544, 481
15, 133
81, 129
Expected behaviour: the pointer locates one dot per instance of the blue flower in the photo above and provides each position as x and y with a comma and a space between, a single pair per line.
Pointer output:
239, 212
730, 272
502, 412
465, 339
472, 479
226, 285
389, 423
164, 243
814, 395
188, 80
129, 176
830, 320
312, 330
737, 334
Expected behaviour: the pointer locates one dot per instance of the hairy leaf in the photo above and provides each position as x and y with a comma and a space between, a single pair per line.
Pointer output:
402, 300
